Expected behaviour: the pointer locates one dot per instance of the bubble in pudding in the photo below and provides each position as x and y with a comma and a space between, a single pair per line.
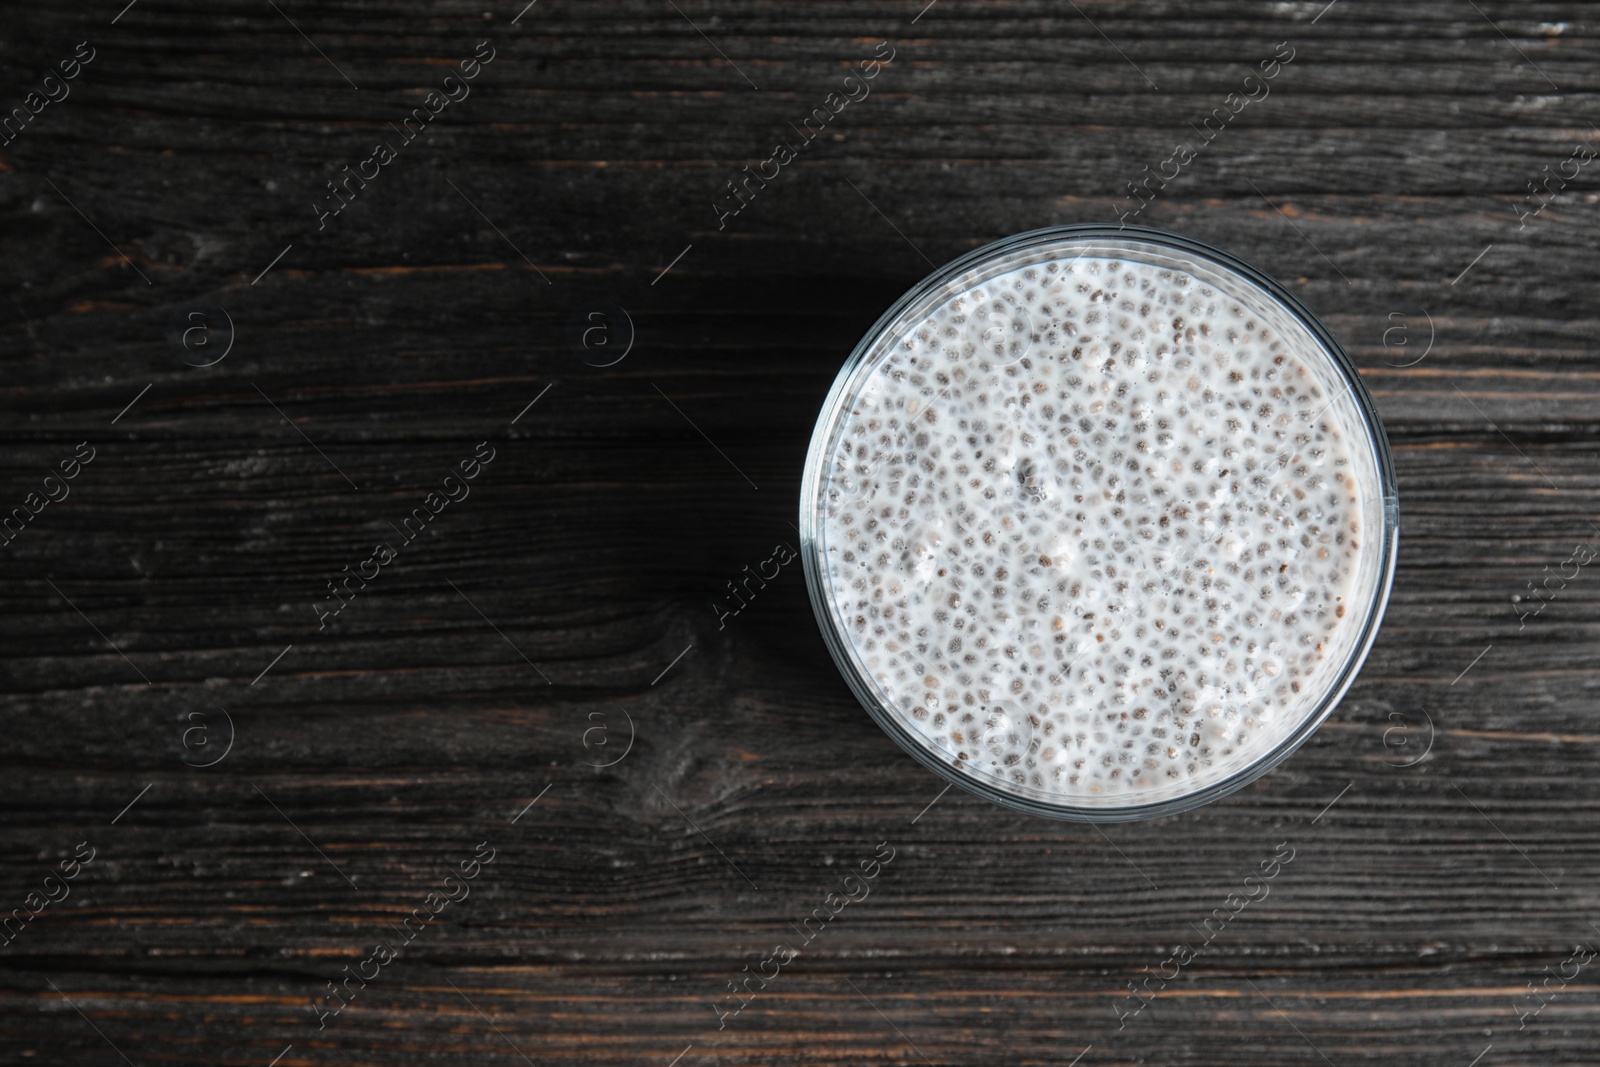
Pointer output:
1098, 524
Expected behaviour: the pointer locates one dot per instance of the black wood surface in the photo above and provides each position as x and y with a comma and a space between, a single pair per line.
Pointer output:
170, 603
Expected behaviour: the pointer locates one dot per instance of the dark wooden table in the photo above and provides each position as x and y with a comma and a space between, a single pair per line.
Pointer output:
542, 273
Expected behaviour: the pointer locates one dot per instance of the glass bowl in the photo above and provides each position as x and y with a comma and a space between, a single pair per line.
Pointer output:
904, 534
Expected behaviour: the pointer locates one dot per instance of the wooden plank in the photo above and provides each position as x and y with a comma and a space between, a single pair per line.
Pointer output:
176, 589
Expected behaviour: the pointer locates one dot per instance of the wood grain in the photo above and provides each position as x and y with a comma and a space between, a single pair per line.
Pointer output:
1392, 151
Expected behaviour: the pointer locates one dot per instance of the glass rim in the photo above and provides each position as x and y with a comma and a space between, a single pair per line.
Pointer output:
838, 646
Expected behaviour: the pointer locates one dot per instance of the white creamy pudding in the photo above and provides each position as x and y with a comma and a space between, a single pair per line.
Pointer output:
1097, 528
